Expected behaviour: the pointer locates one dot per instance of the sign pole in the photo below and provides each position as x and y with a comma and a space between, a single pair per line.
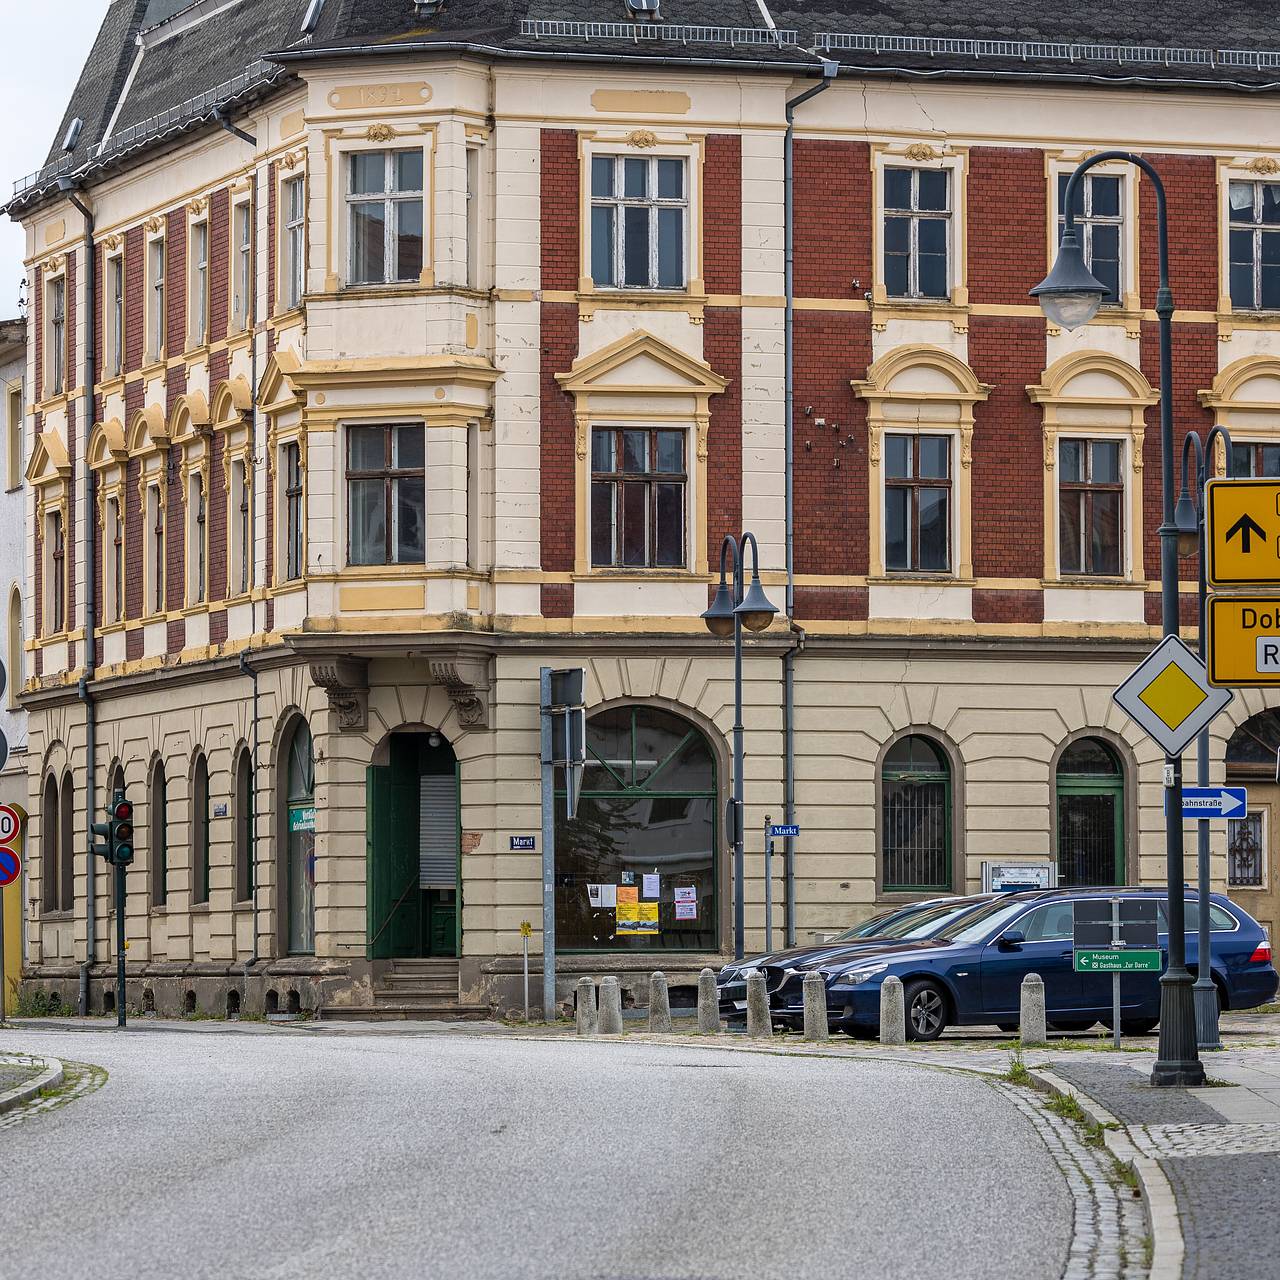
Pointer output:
1115, 977
4, 990
548, 853
768, 887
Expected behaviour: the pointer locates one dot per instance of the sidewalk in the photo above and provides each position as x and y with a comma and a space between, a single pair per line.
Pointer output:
1219, 1147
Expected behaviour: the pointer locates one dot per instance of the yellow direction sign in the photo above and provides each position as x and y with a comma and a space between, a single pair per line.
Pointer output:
1243, 533
1169, 697
1244, 641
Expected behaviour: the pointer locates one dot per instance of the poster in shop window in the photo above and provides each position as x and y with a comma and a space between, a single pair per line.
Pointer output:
634, 916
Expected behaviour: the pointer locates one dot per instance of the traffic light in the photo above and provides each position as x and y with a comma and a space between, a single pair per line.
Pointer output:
121, 830
102, 832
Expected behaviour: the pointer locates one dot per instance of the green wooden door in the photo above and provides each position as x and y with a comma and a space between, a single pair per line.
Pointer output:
395, 903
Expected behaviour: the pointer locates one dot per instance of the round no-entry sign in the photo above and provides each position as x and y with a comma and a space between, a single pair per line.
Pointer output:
10, 866
10, 824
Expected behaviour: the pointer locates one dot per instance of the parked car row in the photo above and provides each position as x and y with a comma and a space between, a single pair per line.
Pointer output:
962, 960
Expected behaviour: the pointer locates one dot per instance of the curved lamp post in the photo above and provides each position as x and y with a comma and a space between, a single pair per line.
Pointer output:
1188, 518
737, 605
1070, 296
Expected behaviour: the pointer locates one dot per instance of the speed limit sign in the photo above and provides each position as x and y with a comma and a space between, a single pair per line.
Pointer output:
10, 824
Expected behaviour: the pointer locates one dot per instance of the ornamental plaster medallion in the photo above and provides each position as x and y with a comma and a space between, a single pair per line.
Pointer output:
1266, 165
642, 138
379, 133
921, 151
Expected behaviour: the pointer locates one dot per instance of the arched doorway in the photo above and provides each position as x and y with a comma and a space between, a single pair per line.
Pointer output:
298, 810
1252, 837
636, 869
413, 848
1090, 790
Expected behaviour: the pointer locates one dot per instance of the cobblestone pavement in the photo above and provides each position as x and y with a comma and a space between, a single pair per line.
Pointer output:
16, 1070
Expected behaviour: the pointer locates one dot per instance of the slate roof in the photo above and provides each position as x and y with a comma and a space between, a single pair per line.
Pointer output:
245, 49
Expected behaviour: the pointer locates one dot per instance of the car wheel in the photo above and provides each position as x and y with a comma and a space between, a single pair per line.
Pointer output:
926, 1008
1077, 1024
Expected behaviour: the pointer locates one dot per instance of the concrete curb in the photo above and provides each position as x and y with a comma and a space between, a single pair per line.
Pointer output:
49, 1078
1168, 1247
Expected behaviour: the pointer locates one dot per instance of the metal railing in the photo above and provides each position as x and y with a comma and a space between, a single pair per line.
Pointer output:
655, 31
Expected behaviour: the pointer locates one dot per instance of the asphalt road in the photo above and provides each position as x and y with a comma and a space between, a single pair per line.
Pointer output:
267, 1155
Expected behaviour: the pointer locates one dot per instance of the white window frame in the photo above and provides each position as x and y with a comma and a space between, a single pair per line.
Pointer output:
293, 224
55, 593
198, 283
1257, 228
1125, 440
155, 270
1130, 223
953, 521
473, 207
241, 264
287, 531
55, 300
239, 529
653, 202
113, 305
197, 540
915, 216
389, 198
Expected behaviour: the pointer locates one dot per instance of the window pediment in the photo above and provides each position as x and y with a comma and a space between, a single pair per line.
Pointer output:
148, 431
641, 362
1246, 393
49, 460
107, 445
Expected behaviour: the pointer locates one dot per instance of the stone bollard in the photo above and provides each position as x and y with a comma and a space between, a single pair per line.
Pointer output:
708, 1004
585, 1013
609, 1022
659, 1004
759, 1023
815, 1007
893, 1013
1031, 1018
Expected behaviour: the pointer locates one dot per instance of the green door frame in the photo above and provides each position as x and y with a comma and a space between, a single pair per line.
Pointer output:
922, 776
1099, 784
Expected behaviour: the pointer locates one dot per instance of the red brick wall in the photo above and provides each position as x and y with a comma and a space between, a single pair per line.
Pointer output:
175, 283
1191, 187
833, 203
219, 263
1007, 606
1006, 212
556, 505
831, 348
75, 425
722, 214
722, 348
1008, 448
37, 333
135, 288
175, 525
271, 238
559, 191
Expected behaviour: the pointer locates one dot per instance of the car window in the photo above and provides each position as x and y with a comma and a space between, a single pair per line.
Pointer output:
870, 928
1050, 923
984, 920
936, 924
1220, 919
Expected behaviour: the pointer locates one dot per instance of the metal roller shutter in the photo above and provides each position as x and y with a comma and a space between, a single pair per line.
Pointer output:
438, 833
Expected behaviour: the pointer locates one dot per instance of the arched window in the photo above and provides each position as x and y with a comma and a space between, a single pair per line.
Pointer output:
244, 825
298, 776
636, 869
51, 899
200, 829
67, 845
13, 643
915, 798
1254, 836
1090, 787
158, 834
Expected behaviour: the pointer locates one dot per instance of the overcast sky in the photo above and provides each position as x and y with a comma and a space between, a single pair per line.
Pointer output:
46, 46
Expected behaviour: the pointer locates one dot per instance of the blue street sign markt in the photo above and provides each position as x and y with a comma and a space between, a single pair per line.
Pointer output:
1214, 802
782, 830
522, 842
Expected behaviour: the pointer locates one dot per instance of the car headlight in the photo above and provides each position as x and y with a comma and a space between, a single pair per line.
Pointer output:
854, 977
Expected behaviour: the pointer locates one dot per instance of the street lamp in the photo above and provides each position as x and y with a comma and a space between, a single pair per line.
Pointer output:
1070, 296
733, 607
1188, 517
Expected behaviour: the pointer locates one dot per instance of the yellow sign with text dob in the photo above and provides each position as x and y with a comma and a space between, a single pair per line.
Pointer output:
1243, 533
1244, 641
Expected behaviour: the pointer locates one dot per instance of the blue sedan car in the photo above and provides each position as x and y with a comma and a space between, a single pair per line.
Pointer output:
962, 964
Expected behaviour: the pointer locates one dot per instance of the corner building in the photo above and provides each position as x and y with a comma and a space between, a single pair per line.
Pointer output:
431, 344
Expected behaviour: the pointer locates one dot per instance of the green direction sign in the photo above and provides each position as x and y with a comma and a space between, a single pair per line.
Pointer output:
1118, 960
302, 819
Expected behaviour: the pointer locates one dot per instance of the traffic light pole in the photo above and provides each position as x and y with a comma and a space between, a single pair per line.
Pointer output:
120, 901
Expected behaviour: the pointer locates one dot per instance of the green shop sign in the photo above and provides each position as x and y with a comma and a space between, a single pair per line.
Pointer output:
302, 818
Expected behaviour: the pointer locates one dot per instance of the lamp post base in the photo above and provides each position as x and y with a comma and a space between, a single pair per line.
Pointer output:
1206, 1003
1177, 1064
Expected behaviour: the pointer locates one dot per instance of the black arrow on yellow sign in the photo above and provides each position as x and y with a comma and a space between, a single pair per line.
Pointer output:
1248, 529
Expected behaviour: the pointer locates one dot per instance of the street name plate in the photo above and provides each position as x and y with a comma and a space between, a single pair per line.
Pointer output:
1118, 960
1169, 696
1243, 533
1244, 641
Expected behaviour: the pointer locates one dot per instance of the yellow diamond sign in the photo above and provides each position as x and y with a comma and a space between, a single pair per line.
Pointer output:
1169, 696
1173, 695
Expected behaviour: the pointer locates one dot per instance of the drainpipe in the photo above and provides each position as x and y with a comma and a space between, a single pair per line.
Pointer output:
829, 70
89, 518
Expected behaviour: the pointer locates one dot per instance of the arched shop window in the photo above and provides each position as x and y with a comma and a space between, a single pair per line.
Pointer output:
636, 869
1090, 815
300, 834
916, 813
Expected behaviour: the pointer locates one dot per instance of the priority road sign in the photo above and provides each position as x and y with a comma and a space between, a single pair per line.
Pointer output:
1243, 533
1244, 641
1169, 696
10, 865
1214, 802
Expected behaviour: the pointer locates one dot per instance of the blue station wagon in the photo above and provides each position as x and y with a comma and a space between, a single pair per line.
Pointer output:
962, 962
